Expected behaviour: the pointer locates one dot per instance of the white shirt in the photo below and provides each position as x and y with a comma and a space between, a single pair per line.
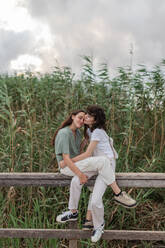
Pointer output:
105, 144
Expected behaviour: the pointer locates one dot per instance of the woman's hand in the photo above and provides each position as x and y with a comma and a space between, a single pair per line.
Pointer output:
83, 178
62, 164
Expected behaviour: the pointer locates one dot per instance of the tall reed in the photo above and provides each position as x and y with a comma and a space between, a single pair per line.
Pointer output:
33, 106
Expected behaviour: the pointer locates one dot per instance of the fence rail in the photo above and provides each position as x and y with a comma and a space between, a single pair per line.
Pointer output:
138, 180
80, 234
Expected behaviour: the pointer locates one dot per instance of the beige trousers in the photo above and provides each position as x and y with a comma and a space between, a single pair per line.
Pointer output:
101, 165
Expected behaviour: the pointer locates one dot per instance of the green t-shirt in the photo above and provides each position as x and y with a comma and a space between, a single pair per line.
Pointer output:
67, 143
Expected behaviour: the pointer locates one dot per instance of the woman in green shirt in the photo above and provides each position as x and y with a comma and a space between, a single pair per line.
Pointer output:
67, 141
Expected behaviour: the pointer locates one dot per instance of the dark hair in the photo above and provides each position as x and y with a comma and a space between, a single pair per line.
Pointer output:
66, 122
99, 116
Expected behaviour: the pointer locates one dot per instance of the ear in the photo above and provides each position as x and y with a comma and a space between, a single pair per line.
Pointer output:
73, 116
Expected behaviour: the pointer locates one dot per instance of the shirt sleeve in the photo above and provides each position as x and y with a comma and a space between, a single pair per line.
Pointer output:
96, 135
62, 144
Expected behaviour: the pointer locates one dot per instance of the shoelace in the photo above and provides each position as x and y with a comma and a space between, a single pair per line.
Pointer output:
126, 196
68, 213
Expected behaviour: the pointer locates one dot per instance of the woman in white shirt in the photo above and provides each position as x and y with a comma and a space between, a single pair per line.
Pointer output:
100, 145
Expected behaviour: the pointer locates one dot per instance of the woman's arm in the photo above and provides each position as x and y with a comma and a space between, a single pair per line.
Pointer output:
88, 153
67, 160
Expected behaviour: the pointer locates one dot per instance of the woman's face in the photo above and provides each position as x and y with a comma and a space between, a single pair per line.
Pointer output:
78, 120
89, 120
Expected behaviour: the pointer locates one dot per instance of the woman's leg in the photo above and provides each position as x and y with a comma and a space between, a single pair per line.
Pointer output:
114, 185
75, 191
88, 223
89, 209
116, 191
101, 164
97, 207
105, 168
89, 215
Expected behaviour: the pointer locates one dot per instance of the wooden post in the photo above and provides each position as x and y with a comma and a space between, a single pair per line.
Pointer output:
73, 225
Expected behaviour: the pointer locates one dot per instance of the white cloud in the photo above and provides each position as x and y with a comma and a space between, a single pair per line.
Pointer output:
64, 30
22, 38
13, 44
14, 17
26, 62
104, 28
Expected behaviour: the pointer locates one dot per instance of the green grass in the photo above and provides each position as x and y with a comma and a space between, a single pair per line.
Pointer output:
32, 107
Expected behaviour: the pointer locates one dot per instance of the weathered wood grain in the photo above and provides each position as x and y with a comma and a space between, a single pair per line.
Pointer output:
139, 180
72, 234
73, 225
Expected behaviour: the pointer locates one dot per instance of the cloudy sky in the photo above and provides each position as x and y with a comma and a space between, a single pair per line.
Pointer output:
40, 34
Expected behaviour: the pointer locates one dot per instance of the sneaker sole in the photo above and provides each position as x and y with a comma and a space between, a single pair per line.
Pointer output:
124, 205
64, 221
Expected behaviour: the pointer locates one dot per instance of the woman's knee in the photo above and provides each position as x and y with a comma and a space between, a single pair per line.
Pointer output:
104, 160
75, 182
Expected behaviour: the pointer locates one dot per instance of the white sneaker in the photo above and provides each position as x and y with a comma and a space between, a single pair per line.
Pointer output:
97, 233
67, 216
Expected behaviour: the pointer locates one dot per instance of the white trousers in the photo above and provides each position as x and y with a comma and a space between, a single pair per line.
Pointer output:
100, 165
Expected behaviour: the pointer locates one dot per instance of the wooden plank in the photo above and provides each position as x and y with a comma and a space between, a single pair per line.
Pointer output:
140, 175
121, 183
73, 225
59, 176
141, 183
140, 180
29, 182
73, 243
81, 234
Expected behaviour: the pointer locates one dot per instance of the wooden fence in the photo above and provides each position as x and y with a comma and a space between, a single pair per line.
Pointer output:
138, 180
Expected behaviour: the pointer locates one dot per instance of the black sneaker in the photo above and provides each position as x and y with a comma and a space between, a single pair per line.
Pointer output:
67, 216
87, 225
